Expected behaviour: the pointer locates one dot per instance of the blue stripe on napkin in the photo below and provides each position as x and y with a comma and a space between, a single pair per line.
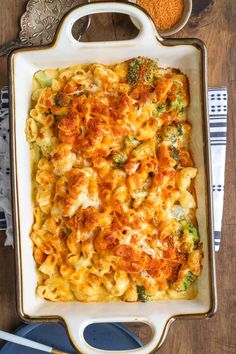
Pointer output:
3, 224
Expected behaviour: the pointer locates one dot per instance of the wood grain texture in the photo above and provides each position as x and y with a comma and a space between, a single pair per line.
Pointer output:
217, 29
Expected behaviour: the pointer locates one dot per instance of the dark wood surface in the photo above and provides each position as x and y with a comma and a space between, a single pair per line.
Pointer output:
216, 26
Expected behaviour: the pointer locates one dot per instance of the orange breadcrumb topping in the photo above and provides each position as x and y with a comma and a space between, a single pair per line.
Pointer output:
165, 13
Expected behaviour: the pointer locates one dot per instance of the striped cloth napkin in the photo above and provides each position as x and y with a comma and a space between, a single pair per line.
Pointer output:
217, 98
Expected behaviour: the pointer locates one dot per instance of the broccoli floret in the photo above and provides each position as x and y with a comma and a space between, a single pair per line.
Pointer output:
142, 69
173, 133
177, 104
193, 231
179, 129
134, 70
151, 71
43, 79
119, 160
161, 108
185, 283
142, 296
157, 109
190, 237
174, 153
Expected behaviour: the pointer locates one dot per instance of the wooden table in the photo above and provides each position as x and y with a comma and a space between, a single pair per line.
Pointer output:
217, 28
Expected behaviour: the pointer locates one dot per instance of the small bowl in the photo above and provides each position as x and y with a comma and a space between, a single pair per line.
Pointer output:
178, 26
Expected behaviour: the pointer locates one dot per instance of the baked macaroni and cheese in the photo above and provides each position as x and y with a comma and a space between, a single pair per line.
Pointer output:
113, 183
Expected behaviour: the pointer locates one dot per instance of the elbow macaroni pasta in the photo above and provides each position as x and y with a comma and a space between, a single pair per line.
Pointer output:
113, 183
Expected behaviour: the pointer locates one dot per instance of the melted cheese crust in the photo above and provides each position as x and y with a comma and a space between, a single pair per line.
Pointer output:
112, 180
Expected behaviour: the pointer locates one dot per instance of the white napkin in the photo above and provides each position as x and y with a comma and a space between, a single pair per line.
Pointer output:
217, 98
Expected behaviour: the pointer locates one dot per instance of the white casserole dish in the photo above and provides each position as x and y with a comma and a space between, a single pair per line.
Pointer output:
189, 55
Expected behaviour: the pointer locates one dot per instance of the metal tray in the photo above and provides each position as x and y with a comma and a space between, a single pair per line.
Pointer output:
39, 23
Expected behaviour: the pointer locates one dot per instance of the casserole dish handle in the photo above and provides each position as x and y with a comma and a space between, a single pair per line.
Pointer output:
147, 30
159, 325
